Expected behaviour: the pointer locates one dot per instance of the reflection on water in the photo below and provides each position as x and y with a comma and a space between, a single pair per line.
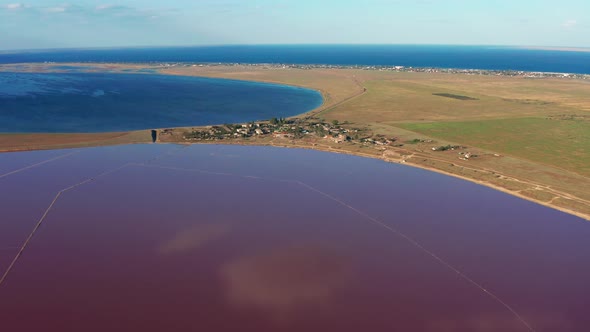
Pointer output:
494, 323
222, 238
481, 323
193, 238
281, 281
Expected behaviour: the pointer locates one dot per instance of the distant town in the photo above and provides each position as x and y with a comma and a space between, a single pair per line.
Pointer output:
483, 72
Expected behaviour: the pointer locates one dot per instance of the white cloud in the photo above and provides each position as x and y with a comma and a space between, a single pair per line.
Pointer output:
56, 9
569, 24
86, 12
115, 8
14, 6
112, 7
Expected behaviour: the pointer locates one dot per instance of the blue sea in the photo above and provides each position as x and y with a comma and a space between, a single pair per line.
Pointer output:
462, 57
105, 102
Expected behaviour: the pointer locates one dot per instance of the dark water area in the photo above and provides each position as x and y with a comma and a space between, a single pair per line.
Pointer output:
226, 238
441, 56
104, 102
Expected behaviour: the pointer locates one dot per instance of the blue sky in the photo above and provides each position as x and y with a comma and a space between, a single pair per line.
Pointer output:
86, 23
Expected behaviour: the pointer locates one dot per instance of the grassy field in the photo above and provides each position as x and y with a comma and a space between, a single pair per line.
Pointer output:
411, 97
561, 143
541, 120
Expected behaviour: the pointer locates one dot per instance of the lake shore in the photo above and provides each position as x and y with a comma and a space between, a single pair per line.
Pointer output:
541, 182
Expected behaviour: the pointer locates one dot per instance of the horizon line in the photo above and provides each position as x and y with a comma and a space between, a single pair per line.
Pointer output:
530, 47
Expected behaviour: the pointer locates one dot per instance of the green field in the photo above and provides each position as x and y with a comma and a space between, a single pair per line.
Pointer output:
561, 143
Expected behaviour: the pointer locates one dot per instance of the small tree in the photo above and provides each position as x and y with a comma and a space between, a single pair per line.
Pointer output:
335, 122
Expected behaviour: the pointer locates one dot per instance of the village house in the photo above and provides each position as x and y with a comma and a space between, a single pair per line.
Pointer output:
283, 135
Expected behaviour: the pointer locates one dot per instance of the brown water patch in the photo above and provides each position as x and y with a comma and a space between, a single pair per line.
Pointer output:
498, 323
283, 281
193, 238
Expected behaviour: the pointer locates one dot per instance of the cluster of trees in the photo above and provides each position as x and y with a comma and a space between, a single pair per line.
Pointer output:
277, 121
448, 147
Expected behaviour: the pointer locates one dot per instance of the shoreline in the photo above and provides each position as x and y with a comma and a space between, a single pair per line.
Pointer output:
329, 101
327, 149
430, 169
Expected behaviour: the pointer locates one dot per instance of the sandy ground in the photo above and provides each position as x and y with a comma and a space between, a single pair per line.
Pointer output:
28, 142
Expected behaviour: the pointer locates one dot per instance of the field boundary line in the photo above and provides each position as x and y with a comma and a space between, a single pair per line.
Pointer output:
55, 199
38, 164
423, 249
44, 216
